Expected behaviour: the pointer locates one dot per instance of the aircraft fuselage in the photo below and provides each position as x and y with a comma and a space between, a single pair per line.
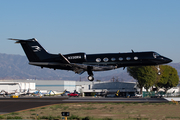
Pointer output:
106, 61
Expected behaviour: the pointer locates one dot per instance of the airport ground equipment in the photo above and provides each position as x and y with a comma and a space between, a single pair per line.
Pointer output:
117, 94
14, 96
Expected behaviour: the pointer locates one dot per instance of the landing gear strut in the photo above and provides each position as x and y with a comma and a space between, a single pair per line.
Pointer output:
90, 73
158, 68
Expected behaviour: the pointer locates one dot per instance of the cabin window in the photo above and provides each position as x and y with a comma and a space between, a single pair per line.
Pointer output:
105, 59
120, 58
98, 59
135, 58
128, 58
113, 59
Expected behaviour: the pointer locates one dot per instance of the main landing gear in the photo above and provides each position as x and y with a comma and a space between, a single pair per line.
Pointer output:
90, 73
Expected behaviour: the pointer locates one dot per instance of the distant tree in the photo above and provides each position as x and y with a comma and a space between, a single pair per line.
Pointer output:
169, 77
145, 76
98, 80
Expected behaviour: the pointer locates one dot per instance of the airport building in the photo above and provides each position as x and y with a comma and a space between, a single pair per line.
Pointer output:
60, 85
85, 87
14, 87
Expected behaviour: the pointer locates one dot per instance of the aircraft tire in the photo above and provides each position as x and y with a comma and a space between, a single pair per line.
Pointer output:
90, 78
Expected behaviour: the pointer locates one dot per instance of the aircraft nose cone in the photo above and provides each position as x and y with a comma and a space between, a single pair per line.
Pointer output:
167, 60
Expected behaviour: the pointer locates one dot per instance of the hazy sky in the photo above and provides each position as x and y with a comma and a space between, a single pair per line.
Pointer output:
94, 26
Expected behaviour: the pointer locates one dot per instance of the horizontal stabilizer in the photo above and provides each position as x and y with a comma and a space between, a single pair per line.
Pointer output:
20, 40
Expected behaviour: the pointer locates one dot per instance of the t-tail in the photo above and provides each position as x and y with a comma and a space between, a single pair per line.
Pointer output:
33, 50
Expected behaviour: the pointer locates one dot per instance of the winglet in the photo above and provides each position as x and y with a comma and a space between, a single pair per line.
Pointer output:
132, 50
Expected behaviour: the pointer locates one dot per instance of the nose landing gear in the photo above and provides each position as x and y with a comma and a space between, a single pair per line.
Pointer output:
158, 68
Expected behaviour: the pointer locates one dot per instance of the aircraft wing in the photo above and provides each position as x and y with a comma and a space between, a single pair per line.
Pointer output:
77, 68
67, 65
81, 68
65, 60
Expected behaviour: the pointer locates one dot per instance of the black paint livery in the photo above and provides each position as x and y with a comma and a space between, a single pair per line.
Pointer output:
81, 62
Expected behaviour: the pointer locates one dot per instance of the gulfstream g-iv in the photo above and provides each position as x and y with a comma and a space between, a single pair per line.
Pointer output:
81, 62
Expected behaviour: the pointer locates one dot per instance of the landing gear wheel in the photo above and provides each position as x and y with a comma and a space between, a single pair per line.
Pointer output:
90, 78
159, 73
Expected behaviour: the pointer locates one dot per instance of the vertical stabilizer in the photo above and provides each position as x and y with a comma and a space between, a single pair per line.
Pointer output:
33, 50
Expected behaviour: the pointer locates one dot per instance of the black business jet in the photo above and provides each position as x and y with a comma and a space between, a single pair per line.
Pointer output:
81, 62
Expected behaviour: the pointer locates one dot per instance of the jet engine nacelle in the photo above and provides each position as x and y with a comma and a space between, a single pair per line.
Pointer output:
76, 57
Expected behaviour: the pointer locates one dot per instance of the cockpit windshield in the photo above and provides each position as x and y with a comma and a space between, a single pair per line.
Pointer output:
156, 55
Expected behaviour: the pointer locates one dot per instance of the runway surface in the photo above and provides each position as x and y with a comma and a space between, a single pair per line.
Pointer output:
8, 105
